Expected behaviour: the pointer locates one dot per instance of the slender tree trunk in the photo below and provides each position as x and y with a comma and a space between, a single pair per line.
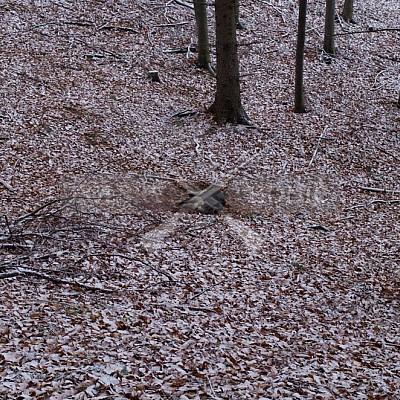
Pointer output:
347, 12
227, 106
329, 38
398, 101
204, 58
301, 36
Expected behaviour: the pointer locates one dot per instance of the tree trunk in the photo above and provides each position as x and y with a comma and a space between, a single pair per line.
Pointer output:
301, 36
398, 101
204, 59
227, 106
347, 13
329, 38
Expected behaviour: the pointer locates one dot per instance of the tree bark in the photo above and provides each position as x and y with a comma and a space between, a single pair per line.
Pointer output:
347, 13
329, 38
301, 36
227, 106
204, 58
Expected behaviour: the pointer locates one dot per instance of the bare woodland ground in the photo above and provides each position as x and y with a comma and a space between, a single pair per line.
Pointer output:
291, 292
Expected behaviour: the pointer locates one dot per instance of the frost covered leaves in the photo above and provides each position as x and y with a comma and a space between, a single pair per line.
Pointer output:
111, 290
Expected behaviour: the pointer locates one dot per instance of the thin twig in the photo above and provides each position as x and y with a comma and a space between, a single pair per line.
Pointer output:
214, 396
206, 290
317, 146
8, 226
133, 259
163, 178
6, 185
111, 53
210, 68
198, 146
388, 153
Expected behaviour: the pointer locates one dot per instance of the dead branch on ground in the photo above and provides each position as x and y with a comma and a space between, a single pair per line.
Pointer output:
184, 4
21, 270
371, 29
379, 190
117, 28
372, 202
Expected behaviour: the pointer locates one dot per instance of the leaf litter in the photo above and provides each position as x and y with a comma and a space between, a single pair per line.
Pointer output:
110, 290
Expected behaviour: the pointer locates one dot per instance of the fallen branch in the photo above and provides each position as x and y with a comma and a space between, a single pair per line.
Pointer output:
184, 4
369, 30
10, 274
36, 210
181, 50
376, 201
23, 271
78, 23
15, 246
183, 306
181, 114
379, 190
118, 28
318, 227
93, 55
171, 24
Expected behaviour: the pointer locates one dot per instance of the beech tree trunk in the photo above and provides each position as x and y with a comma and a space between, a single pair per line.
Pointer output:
204, 58
329, 38
227, 106
347, 13
301, 36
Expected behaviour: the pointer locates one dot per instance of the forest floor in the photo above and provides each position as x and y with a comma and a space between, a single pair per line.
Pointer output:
110, 290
